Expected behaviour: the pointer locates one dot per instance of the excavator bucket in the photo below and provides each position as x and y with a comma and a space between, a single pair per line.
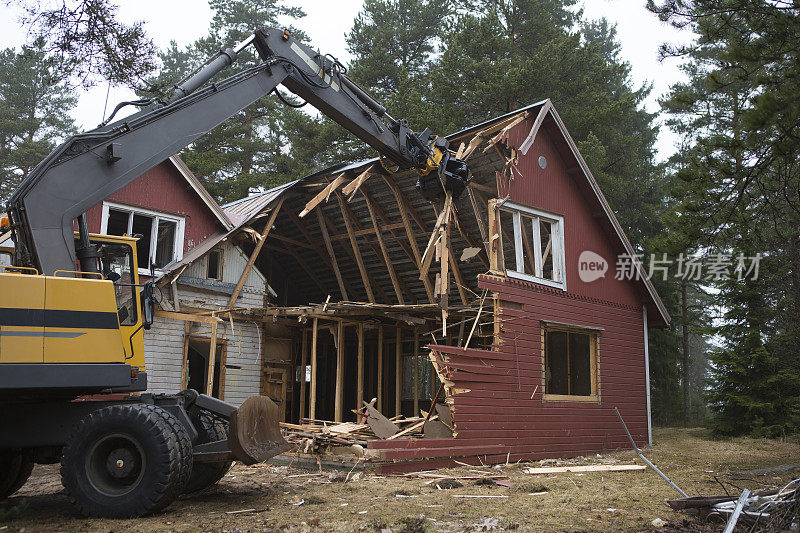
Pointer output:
255, 431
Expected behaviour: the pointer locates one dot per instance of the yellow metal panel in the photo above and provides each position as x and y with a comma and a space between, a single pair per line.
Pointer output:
81, 324
21, 329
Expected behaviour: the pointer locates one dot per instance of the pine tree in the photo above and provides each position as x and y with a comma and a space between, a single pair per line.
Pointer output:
34, 112
739, 193
248, 152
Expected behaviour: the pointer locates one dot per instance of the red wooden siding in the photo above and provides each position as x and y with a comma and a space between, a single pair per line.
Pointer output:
164, 189
503, 415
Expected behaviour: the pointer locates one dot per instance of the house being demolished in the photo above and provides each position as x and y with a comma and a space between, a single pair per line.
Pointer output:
501, 305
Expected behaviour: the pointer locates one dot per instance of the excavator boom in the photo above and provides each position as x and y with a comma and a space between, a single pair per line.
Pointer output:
90, 167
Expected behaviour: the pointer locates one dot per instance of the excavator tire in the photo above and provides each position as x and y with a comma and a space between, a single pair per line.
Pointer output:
15, 469
184, 447
211, 429
122, 461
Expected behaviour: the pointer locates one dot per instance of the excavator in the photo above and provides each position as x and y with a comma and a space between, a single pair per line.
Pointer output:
73, 384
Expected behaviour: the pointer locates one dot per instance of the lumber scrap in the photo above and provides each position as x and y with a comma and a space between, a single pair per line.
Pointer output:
380, 425
324, 194
583, 468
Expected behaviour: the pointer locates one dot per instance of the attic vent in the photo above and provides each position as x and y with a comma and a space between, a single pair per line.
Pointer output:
542, 162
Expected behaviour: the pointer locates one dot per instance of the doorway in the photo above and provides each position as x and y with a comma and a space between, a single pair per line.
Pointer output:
198, 354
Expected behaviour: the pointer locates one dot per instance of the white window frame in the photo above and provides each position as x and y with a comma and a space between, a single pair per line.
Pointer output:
558, 250
177, 251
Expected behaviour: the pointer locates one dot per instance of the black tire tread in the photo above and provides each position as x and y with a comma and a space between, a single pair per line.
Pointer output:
184, 447
162, 486
210, 429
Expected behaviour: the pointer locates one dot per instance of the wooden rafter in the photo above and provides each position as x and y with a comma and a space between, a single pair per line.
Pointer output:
388, 260
325, 255
356, 251
403, 201
357, 226
256, 251
329, 246
350, 256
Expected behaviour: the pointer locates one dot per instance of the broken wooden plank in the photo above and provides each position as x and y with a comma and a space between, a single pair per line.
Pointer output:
352, 188
583, 468
256, 251
323, 195
379, 424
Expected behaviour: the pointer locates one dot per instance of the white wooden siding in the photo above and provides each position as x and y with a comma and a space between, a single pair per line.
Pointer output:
164, 346
234, 262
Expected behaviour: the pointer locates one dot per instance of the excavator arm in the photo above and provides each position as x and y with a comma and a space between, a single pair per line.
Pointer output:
90, 167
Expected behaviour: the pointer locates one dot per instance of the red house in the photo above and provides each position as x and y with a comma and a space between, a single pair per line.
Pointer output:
534, 335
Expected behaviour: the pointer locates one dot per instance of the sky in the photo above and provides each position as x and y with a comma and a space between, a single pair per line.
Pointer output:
328, 21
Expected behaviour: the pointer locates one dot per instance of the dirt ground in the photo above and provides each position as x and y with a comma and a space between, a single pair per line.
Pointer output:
264, 497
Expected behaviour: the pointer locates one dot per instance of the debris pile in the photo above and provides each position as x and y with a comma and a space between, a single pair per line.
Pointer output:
770, 510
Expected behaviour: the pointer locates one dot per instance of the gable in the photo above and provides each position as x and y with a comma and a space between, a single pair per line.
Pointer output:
557, 190
165, 189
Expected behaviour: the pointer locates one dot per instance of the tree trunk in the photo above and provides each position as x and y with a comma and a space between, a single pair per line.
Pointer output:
685, 333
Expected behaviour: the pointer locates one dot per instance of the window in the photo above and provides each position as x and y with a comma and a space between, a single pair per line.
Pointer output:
533, 244
118, 258
161, 235
214, 265
570, 362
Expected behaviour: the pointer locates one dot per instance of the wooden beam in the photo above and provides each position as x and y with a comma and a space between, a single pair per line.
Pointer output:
212, 355
384, 219
403, 201
360, 380
255, 253
365, 231
412, 239
398, 377
303, 364
392, 274
223, 361
356, 251
351, 256
459, 279
312, 411
436, 234
339, 405
479, 219
351, 188
494, 237
204, 319
289, 240
323, 194
187, 326
416, 372
380, 368
334, 263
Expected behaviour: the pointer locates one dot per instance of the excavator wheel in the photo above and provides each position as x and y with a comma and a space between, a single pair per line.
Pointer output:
15, 469
184, 446
122, 461
210, 429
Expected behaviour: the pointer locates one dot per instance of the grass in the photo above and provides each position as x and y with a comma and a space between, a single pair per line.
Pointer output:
600, 501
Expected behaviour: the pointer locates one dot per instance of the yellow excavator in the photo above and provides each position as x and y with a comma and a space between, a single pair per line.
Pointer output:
73, 310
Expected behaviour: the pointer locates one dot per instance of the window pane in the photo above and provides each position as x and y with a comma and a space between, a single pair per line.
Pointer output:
546, 235
118, 258
526, 230
509, 260
580, 361
165, 242
143, 226
214, 270
557, 377
117, 222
